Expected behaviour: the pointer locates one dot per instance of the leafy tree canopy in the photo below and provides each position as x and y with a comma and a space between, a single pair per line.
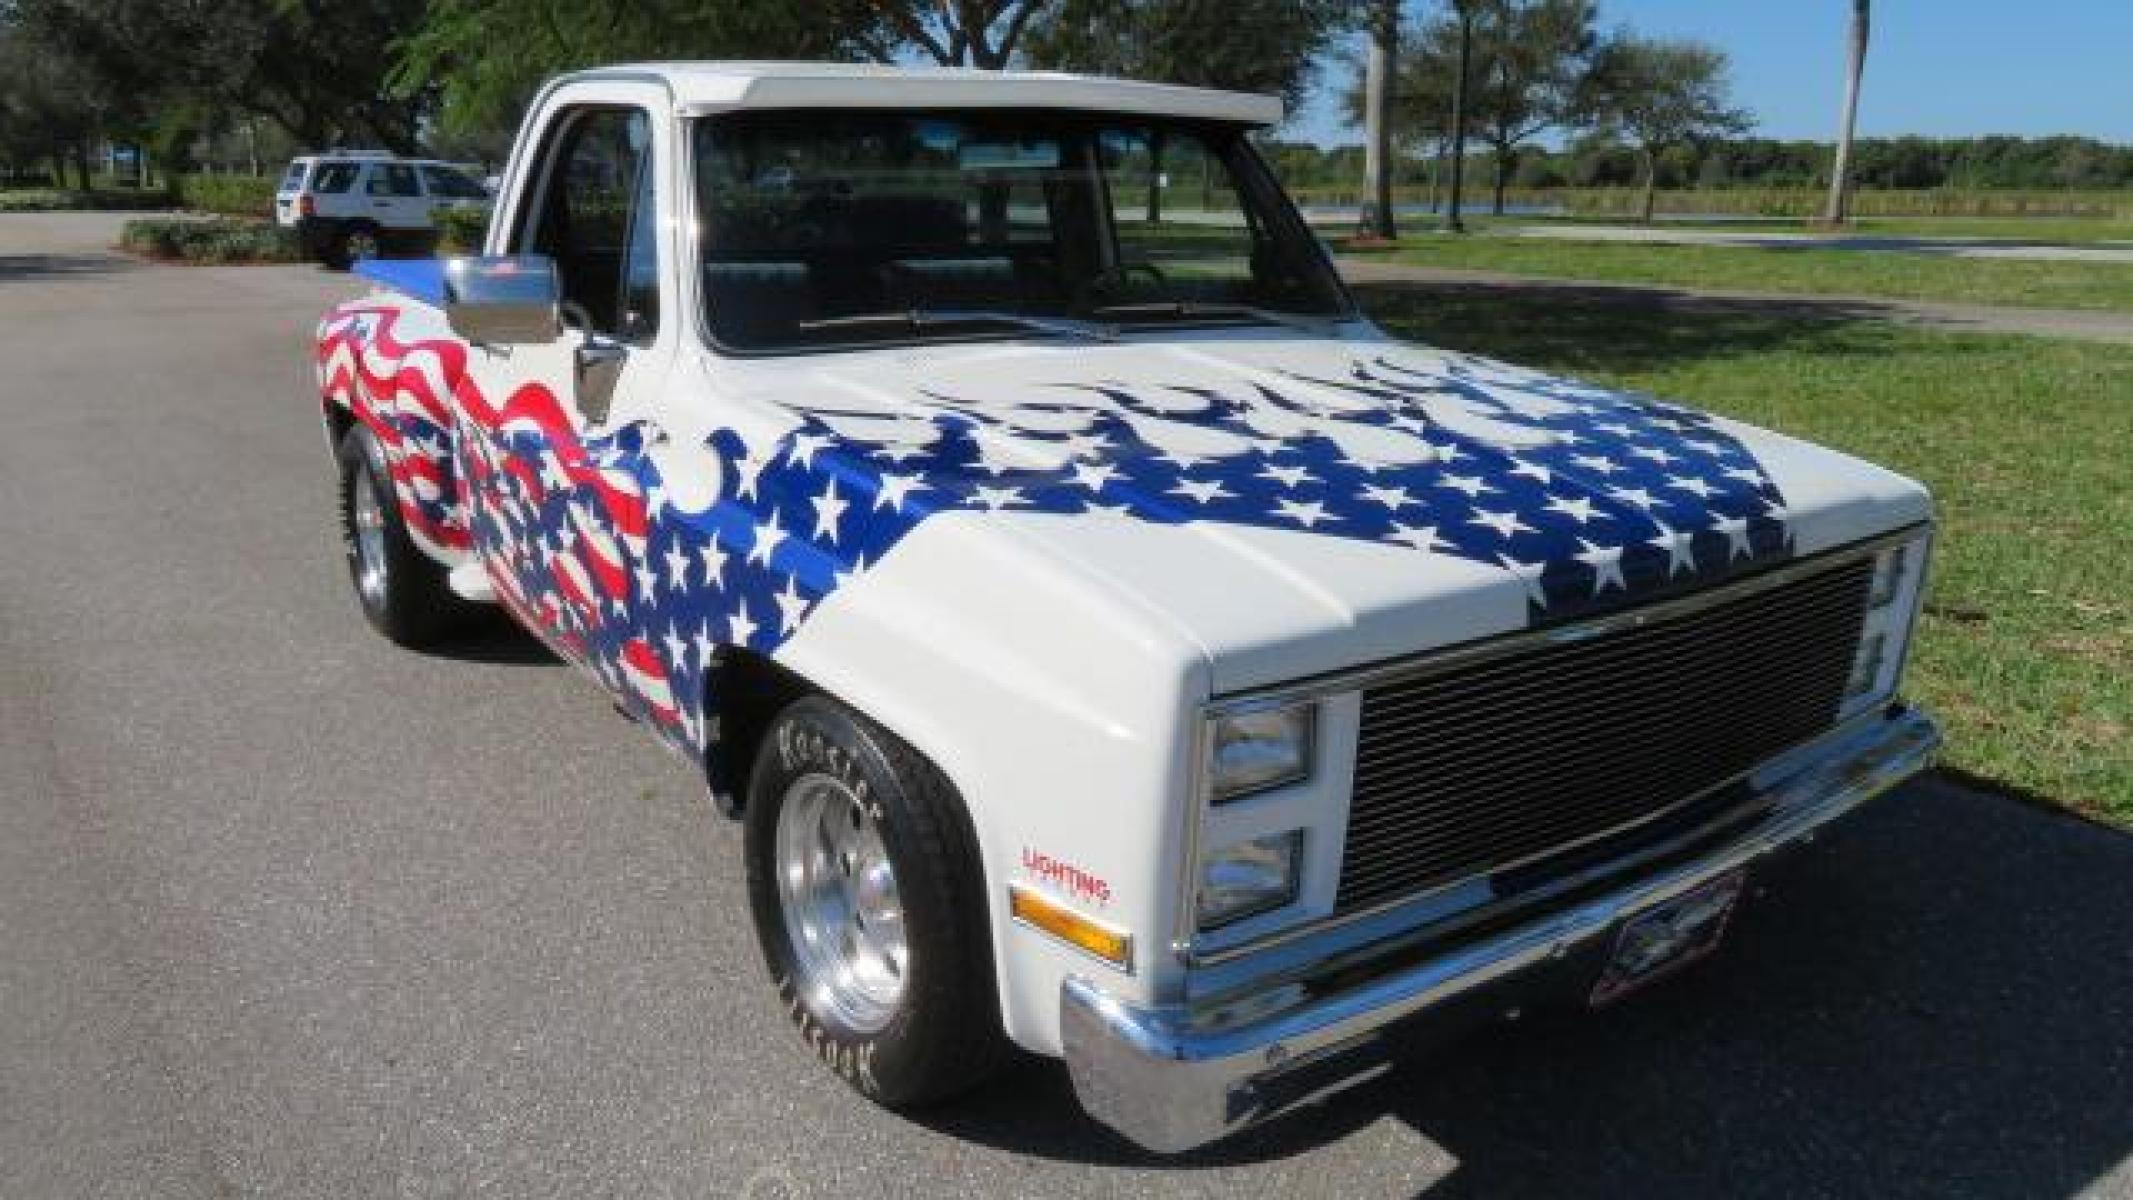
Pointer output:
1244, 45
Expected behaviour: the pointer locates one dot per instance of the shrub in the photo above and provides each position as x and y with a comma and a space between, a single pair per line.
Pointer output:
460, 230
232, 195
61, 200
217, 241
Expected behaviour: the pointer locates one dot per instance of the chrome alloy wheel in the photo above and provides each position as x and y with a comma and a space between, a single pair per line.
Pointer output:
842, 915
368, 518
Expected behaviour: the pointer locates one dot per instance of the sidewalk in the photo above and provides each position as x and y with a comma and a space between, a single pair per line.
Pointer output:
1974, 318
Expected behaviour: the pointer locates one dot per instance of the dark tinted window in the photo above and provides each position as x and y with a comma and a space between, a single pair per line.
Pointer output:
444, 181
834, 228
334, 178
392, 179
596, 220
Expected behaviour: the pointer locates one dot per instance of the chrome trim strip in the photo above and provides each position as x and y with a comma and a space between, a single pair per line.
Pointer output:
1177, 1076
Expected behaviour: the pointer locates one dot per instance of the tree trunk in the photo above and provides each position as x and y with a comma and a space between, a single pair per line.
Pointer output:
1377, 219
1436, 178
1649, 160
1504, 159
1466, 59
1840, 175
81, 164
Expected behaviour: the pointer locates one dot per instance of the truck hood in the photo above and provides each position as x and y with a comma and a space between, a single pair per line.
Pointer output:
1290, 504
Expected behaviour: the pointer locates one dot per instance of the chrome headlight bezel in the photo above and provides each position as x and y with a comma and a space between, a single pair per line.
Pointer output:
1895, 595
1268, 746
1278, 857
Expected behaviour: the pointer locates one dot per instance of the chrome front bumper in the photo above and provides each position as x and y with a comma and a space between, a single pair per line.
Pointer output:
1175, 1077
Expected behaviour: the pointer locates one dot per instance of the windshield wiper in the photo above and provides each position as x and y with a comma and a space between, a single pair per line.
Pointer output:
1196, 310
920, 319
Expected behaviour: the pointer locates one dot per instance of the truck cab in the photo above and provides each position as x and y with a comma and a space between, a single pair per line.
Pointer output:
1115, 645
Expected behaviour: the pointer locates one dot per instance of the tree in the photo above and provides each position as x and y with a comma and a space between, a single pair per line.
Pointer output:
1240, 45
1421, 100
1529, 72
954, 33
1462, 84
1384, 31
1840, 175
483, 59
316, 69
1658, 94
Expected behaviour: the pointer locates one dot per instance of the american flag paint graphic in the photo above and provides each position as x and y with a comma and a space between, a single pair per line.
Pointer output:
1592, 500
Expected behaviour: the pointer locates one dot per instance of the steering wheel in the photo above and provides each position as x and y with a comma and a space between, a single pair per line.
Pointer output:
1115, 276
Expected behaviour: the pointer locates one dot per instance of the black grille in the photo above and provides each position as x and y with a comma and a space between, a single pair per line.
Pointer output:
1535, 751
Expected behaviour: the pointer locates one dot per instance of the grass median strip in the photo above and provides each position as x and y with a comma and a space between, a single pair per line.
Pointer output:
2026, 649
1903, 275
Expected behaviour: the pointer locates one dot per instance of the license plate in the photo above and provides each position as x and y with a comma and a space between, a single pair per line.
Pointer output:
1667, 937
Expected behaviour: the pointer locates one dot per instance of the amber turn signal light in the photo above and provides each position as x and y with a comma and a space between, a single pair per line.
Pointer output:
1039, 912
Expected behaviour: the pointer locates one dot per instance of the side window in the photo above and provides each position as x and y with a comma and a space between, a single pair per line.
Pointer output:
444, 181
391, 179
333, 178
596, 219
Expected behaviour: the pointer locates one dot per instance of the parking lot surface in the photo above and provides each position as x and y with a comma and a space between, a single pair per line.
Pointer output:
287, 911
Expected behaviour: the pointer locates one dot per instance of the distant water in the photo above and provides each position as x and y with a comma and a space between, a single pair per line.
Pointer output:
1334, 212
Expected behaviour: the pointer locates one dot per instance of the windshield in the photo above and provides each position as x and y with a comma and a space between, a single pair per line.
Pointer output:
842, 228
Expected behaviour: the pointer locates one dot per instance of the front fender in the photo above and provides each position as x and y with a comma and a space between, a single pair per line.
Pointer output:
1063, 720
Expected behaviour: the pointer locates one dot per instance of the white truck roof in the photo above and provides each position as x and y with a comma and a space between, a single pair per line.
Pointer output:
707, 87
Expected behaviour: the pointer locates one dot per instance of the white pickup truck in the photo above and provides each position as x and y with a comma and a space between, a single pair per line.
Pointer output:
1115, 645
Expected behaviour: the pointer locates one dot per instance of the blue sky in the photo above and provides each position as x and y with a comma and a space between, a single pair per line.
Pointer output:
1945, 68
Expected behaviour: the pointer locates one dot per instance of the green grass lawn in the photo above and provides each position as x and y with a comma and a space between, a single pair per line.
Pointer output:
2026, 650
1912, 276
2047, 231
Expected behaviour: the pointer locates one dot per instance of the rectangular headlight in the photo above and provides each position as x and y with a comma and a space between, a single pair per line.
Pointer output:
1248, 878
1259, 749
1890, 568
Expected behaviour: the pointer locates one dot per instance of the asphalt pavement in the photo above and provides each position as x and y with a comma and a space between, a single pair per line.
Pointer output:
286, 911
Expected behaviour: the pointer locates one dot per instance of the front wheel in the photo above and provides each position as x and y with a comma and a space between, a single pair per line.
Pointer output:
403, 592
868, 900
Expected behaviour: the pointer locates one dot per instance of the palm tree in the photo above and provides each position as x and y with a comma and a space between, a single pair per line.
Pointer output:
1384, 22
1465, 11
1840, 175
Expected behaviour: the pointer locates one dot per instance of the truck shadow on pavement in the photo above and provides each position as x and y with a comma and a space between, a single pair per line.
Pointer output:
1573, 328
1936, 999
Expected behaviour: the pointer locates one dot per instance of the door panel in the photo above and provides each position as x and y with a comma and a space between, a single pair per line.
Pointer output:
558, 510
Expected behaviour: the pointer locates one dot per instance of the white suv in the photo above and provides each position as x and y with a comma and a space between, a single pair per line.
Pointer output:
353, 205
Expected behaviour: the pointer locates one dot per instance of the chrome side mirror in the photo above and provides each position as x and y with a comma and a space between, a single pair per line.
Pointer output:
506, 300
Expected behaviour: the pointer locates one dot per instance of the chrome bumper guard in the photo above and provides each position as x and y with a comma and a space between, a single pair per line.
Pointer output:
1175, 1077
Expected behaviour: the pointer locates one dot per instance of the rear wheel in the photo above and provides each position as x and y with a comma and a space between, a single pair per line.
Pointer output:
350, 243
868, 900
402, 591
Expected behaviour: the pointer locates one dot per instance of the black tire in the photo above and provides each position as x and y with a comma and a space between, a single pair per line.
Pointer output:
944, 1035
344, 243
411, 602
